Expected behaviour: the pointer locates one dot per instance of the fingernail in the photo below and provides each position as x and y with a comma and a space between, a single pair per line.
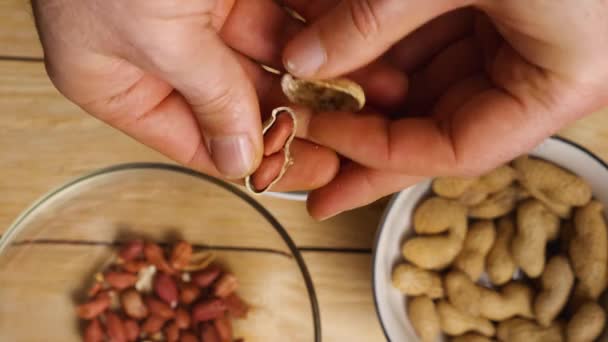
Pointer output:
309, 55
233, 155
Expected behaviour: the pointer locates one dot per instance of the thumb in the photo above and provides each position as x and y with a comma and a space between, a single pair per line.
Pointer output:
355, 32
222, 98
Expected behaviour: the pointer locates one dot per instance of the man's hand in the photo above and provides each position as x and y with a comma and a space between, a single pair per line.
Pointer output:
178, 76
485, 85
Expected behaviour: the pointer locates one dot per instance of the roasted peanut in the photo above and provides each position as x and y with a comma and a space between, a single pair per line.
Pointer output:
159, 308
206, 277
95, 289
115, 328
120, 280
208, 310
94, 307
165, 288
155, 255
181, 254
209, 333
182, 318
277, 135
132, 330
131, 251
236, 306
153, 324
133, 304
134, 266
93, 332
189, 293
172, 332
190, 337
223, 326
226, 285
269, 170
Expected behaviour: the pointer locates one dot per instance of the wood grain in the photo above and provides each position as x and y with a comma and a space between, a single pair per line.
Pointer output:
18, 36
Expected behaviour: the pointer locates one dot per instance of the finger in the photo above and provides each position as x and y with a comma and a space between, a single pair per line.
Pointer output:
259, 29
491, 128
222, 97
313, 167
415, 50
489, 39
385, 86
355, 32
456, 62
310, 9
458, 95
353, 187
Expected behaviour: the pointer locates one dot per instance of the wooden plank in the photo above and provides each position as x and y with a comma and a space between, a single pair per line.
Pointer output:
46, 141
343, 284
18, 36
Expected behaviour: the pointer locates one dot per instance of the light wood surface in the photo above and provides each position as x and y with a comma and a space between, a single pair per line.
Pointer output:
45, 141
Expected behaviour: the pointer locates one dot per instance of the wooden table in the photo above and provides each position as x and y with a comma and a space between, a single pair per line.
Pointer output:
45, 141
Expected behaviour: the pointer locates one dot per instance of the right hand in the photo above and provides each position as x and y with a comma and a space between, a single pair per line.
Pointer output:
488, 82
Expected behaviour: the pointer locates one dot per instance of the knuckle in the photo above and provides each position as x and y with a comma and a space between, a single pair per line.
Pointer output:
214, 107
364, 18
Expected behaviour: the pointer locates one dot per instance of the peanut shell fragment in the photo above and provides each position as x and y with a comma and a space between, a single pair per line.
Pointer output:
339, 94
287, 161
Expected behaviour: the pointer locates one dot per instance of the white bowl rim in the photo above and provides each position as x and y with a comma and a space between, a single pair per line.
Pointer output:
382, 225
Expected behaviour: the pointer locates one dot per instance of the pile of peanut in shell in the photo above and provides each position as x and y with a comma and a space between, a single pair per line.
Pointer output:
149, 293
518, 254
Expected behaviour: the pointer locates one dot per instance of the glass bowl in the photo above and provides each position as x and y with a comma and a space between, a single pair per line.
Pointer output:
50, 253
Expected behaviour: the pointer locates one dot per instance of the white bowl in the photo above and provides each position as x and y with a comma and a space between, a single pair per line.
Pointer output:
395, 228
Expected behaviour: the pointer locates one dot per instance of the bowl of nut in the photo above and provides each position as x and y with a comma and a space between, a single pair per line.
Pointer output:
152, 252
517, 254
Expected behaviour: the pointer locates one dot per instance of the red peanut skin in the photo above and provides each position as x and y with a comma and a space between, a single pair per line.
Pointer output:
182, 318
269, 170
94, 307
165, 288
132, 250
115, 328
159, 308
95, 289
172, 332
223, 326
132, 330
208, 310
226, 285
181, 254
276, 137
134, 266
209, 333
205, 278
155, 255
120, 280
133, 304
189, 337
236, 306
189, 293
153, 324
93, 332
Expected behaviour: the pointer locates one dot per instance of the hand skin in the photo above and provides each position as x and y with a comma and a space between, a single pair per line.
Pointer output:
179, 76
489, 80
